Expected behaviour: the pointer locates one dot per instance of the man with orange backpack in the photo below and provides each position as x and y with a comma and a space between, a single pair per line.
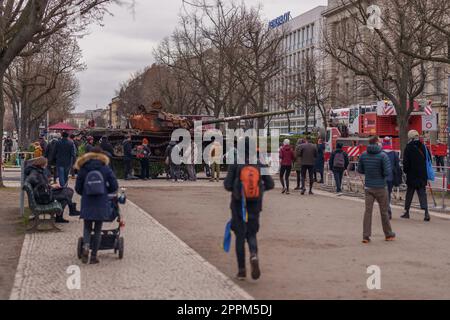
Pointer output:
247, 185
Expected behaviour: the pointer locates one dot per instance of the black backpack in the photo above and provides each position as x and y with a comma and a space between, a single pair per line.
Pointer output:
43, 194
94, 184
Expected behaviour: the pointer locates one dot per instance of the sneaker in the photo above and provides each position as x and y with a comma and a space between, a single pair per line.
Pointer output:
283, 191
242, 275
256, 272
311, 193
85, 255
287, 192
427, 218
366, 240
303, 192
391, 237
94, 260
297, 189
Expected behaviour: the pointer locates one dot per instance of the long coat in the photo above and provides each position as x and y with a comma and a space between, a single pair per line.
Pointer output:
65, 153
95, 208
414, 164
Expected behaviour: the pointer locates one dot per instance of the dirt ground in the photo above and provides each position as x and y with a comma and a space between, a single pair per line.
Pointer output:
310, 246
11, 239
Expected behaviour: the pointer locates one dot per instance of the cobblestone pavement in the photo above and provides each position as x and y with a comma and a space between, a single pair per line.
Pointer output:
156, 265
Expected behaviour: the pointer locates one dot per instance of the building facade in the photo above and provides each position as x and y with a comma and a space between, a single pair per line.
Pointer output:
348, 89
302, 40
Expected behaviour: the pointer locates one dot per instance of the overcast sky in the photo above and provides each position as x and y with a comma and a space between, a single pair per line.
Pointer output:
124, 44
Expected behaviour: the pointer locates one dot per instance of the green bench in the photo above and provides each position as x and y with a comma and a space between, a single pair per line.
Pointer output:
40, 212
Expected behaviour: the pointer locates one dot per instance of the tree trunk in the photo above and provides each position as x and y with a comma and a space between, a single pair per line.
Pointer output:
403, 127
2, 117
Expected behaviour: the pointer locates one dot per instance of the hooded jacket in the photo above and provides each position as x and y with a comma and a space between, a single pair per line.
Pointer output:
286, 155
376, 166
95, 208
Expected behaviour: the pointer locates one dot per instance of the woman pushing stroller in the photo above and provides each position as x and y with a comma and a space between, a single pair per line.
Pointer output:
94, 183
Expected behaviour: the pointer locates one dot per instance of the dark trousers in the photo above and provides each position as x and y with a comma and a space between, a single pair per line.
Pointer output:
421, 193
285, 173
89, 227
299, 178
64, 196
338, 177
128, 163
245, 232
390, 188
440, 163
310, 170
145, 168
320, 171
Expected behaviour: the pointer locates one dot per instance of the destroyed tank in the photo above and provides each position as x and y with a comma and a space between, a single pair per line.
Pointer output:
157, 127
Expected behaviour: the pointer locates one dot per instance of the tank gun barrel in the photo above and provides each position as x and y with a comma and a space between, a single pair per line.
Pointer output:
247, 117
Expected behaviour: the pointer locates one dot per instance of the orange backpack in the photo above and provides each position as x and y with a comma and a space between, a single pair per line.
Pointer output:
250, 177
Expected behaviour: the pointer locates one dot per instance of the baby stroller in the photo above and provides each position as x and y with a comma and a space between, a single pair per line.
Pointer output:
110, 239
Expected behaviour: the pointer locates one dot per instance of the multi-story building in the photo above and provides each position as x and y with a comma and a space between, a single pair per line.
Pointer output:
348, 89
302, 39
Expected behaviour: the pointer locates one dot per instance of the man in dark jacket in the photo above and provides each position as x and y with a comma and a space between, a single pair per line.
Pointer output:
375, 165
415, 167
320, 161
94, 208
242, 229
128, 158
65, 157
338, 165
308, 153
8, 144
37, 174
50, 155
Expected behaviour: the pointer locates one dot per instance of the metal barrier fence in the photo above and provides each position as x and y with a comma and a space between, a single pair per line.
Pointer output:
353, 185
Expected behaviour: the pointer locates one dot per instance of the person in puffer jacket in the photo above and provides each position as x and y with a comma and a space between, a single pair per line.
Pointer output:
376, 167
94, 209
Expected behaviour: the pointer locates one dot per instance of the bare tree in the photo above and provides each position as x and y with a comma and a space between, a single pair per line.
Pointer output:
27, 22
378, 55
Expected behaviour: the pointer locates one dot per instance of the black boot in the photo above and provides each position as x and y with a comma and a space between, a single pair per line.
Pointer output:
405, 215
60, 219
73, 212
427, 216
242, 274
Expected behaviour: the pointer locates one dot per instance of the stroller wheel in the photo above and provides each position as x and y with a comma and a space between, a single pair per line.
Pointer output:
80, 248
121, 247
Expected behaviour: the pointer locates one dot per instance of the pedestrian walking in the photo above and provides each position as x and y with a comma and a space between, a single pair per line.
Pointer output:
338, 165
247, 186
308, 153
375, 165
143, 155
320, 161
192, 154
297, 167
94, 183
394, 178
215, 159
415, 168
128, 158
173, 166
76, 145
64, 157
286, 159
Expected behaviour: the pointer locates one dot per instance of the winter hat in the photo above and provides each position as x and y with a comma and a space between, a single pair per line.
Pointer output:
387, 143
413, 134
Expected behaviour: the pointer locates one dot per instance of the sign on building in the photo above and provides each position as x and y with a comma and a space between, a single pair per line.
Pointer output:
429, 122
280, 20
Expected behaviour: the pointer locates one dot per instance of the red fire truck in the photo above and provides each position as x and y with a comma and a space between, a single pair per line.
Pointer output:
354, 125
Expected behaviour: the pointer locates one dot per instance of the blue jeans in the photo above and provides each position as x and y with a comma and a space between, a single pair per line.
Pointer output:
63, 175
338, 176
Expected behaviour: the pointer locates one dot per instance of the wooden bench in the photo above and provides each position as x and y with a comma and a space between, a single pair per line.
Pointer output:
41, 211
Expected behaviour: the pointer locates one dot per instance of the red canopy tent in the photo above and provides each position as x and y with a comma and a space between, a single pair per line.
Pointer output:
61, 127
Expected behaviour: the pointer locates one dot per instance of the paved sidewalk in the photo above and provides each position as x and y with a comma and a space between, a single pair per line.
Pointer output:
156, 265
